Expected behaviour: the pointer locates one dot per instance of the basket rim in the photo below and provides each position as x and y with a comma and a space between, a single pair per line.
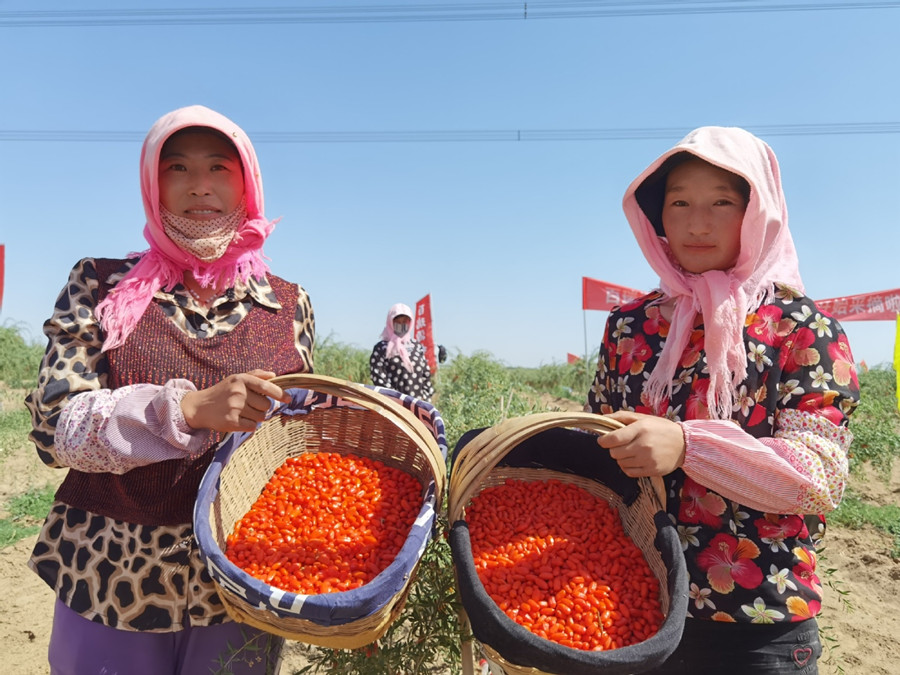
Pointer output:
480, 455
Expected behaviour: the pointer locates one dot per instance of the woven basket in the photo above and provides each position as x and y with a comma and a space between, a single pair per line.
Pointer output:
561, 446
324, 415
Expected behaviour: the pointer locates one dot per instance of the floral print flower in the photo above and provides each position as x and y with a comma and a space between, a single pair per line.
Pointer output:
723, 617
822, 404
623, 327
621, 386
780, 579
822, 325
820, 378
738, 517
802, 315
761, 613
757, 356
844, 366
768, 325
800, 609
699, 505
773, 530
693, 351
788, 390
687, 536
743, 401
787, 294
805, 569
728, 561
798, 351
696, 407
655, 324
634, 353
700, 596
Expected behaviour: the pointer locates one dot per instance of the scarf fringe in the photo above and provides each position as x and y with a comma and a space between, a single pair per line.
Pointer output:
122, 309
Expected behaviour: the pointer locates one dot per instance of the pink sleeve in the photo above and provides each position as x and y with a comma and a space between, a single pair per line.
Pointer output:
116, 430
802, 469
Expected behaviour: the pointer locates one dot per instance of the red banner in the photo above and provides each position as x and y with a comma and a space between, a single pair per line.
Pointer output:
423, 330
572, 358
604, 296
881, 306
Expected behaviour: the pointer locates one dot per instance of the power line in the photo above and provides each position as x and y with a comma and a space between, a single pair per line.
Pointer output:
414, 12
460, 136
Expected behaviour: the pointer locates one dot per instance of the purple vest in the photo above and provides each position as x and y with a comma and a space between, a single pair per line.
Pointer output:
157, 351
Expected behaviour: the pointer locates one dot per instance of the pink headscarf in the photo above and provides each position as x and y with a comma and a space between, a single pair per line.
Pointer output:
163, 264
397, 345
724, 298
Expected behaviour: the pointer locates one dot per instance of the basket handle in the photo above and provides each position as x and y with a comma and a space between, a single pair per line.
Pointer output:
483, 452
364, 397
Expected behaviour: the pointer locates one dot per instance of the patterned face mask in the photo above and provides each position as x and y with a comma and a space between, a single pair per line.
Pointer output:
206, 240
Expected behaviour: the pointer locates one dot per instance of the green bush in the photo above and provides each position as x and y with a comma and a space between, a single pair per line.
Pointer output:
565, 380
27, 511
19, 359
477, 391
876, 422
336, 359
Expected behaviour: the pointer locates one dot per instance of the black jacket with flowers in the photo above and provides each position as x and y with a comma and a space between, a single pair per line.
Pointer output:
745, 565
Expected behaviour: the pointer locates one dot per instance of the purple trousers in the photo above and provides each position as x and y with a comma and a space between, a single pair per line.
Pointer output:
79, 646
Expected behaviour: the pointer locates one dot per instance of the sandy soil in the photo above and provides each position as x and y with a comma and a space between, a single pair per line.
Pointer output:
862, 620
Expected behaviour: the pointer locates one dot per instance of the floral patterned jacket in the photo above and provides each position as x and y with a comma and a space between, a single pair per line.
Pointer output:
740, 498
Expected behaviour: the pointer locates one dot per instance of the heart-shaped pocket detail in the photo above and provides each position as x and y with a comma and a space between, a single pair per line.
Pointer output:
802, 655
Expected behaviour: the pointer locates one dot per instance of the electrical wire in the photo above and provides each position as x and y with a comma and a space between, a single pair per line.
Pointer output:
414, 12
460, 136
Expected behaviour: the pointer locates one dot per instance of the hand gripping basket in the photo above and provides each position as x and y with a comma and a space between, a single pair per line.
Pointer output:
327, 415
561, 446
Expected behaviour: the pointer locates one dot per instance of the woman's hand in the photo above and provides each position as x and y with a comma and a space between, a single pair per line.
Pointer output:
237, 403
647, 446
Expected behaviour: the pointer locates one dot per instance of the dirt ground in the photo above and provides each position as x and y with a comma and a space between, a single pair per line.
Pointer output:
862, 620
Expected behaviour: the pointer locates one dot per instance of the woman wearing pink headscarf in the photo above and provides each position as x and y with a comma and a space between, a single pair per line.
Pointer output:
398, 362
150, 359
736, 389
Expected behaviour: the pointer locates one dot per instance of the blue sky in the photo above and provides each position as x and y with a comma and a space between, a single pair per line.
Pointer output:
499, 232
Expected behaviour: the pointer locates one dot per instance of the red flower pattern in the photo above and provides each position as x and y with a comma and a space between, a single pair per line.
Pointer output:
798, 351
635, 352
768, 325
699, 505
844, 367
728, 560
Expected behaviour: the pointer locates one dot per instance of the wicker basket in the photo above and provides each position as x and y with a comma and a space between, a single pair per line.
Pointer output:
324, 415
561, 446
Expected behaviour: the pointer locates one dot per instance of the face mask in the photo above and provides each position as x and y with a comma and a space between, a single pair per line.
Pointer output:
206, 240
401, 328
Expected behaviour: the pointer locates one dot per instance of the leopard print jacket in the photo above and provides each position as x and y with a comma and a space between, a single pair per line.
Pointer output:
124, 575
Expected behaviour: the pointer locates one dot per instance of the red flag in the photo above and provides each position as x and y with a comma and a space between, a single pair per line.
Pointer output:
423, 330
573, 358
2, 256
601, 295
880, 306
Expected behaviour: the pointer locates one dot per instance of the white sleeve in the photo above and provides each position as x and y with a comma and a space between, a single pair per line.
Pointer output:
117, 430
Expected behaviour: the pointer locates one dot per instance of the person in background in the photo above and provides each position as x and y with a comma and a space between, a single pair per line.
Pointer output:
150, 360
737, 390
398, 362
